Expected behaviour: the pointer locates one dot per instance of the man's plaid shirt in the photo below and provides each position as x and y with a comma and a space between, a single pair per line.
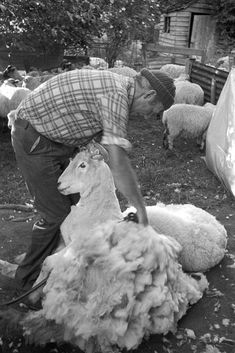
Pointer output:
73, 106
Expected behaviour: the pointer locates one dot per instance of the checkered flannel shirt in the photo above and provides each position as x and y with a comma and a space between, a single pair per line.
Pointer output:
73, 106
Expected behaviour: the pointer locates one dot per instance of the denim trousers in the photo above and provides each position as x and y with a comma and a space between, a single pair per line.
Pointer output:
41, 162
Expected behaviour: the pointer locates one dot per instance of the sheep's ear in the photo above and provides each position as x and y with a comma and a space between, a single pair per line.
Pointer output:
97, 157
97, 149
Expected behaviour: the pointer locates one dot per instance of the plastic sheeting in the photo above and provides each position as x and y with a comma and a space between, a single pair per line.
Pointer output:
220, 141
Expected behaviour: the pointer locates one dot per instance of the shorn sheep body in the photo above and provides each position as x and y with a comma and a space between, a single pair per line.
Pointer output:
190, 121
188, 93
116, 282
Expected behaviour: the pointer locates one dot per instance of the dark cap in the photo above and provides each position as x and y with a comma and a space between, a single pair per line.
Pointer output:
162, 84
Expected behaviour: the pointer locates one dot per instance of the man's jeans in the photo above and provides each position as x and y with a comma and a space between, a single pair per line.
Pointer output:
41, 162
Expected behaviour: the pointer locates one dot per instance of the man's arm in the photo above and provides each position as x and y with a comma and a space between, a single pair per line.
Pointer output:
126, 181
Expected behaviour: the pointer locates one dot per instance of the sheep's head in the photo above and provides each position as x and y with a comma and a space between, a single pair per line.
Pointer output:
12, 72
84, 172
30, 82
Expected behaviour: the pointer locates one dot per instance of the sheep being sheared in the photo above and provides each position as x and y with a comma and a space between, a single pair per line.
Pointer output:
104, 289
201, 236
116, 282
91, 176
187, 120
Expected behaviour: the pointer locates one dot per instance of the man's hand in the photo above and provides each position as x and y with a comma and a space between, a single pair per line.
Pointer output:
126, 181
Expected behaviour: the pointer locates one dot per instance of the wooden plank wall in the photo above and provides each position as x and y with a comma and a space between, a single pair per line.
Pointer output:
180, 24
178, 36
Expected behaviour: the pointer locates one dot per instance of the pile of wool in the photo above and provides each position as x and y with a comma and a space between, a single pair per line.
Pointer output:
114, 287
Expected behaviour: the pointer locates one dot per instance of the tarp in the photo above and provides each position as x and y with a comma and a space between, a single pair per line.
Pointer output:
220, 140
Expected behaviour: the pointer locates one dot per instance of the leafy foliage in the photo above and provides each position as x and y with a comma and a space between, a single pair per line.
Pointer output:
226, 20
127, 20
43, 23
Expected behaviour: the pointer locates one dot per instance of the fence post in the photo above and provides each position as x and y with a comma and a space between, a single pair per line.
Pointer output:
213, 89
231, 59
188, 66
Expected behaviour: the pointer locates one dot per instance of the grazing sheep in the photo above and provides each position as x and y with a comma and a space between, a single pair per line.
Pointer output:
188, 93
32, 82
173, 70
188, 120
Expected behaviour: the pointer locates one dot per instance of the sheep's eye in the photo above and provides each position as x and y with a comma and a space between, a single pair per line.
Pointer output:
82, 165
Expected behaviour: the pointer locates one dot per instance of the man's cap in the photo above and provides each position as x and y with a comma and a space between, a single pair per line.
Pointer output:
163, 84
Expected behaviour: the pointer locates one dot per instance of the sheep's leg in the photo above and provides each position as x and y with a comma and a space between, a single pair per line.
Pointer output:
170, 142
165, 138
203, 141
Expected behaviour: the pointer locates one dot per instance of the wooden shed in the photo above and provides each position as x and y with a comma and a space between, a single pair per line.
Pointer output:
189, 24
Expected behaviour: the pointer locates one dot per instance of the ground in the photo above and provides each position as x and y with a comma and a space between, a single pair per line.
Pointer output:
170, 177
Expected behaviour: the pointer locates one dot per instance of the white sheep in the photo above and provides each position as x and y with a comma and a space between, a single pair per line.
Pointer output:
197, 231
173, 70
99, 194
124, 70
32, 82
202, 237
188, 93
190, 121
4, 106
14, 94
12, 82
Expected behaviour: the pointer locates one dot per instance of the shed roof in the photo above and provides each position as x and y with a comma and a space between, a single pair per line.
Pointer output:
182, 5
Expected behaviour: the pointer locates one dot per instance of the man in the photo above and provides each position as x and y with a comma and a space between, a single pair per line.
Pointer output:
60, 116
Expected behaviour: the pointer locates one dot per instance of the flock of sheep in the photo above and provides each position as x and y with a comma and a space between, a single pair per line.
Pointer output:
188, 117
